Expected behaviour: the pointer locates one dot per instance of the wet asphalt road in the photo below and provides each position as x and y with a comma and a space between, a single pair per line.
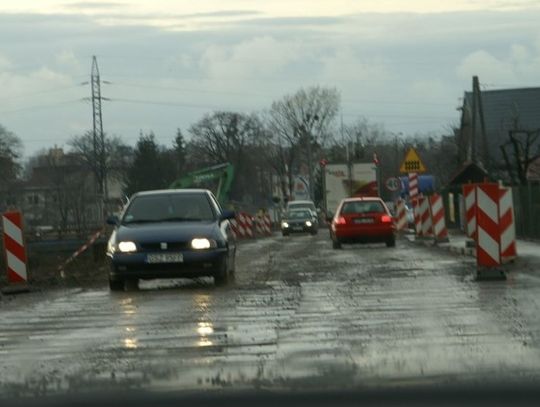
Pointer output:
300, 316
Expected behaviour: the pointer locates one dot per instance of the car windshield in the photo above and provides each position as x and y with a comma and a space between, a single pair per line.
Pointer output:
361, 207
295, 206
168, 208
299, 214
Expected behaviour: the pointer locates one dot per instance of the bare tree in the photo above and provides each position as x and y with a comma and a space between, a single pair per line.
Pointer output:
298, 119
118, 155
229, 137
524, 147
10, 152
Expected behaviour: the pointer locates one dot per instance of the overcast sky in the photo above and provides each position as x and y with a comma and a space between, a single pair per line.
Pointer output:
402, 63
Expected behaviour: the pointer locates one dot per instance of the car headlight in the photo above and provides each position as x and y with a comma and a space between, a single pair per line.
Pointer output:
284, 225
127, 247
308, 223
203, 243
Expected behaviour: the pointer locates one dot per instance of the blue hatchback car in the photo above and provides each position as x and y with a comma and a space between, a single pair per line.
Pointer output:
169, 234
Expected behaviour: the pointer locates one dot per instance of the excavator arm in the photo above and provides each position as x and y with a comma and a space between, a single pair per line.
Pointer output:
223, 173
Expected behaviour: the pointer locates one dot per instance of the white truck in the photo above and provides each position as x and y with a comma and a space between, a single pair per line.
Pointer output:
342, 181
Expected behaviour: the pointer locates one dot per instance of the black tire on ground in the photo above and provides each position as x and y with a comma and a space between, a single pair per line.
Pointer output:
336, 245
391, 242
221, 278
285, 234
116, 285
314, 232
132, 284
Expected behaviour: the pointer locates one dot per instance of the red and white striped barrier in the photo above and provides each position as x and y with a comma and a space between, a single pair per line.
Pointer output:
440, 233
488, 251
264, 225
15, 251
413, 185
401, 215
469, 193
425, 217
507, 226
417, 217
81, 250
242, 225
414, 198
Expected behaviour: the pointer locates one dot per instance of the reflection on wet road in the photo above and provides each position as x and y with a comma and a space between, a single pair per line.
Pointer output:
300, 315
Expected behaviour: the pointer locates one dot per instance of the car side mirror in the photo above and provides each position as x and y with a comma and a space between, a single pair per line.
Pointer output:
227, 214
113, 220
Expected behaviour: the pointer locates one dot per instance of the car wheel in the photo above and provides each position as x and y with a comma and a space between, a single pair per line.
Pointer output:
285, 234
391, 242
132, 284
233, 263
336, 245
221, 277
116, 285
314, 232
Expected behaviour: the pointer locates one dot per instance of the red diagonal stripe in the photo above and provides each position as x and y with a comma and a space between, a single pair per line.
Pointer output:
438, 216
14, 248
14, 217
485, 222
14, 277
484, 259
506, 220
510, 251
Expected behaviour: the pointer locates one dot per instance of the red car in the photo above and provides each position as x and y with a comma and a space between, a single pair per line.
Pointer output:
362, 220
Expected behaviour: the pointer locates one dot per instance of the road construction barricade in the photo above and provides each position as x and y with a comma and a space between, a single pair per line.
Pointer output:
469, 194
507, 225
401, 215
426, 227
15, 251
263, 225
436, 209
488, 248
242, 226
492, 216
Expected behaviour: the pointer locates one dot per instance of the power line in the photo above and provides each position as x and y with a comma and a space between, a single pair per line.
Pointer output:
39, 107
175, 89
172, 104
204, 91
39, 92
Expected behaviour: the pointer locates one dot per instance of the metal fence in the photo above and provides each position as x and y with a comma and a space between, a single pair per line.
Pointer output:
527, 211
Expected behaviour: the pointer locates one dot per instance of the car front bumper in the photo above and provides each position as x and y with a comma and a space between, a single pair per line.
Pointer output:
299, 229
194, 264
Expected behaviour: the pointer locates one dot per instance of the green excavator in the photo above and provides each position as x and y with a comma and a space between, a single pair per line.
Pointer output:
222, 173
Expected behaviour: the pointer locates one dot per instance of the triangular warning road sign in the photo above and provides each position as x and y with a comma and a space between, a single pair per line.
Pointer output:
412, 163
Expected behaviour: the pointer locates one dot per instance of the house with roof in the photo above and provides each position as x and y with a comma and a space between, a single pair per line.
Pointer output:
500, 128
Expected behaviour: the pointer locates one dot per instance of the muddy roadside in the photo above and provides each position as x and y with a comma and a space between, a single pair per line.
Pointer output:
47, 266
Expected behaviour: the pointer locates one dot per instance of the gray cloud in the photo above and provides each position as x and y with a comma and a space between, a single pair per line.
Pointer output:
405, 70
88, 5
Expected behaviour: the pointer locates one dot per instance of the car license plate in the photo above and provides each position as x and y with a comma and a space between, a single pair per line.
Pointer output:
297, 228
364, 220
165, 258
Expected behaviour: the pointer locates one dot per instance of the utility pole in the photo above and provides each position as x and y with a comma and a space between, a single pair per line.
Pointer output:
98, 137
306, 127
478, 112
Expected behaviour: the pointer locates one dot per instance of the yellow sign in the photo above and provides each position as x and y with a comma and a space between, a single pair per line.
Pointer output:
412, 163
